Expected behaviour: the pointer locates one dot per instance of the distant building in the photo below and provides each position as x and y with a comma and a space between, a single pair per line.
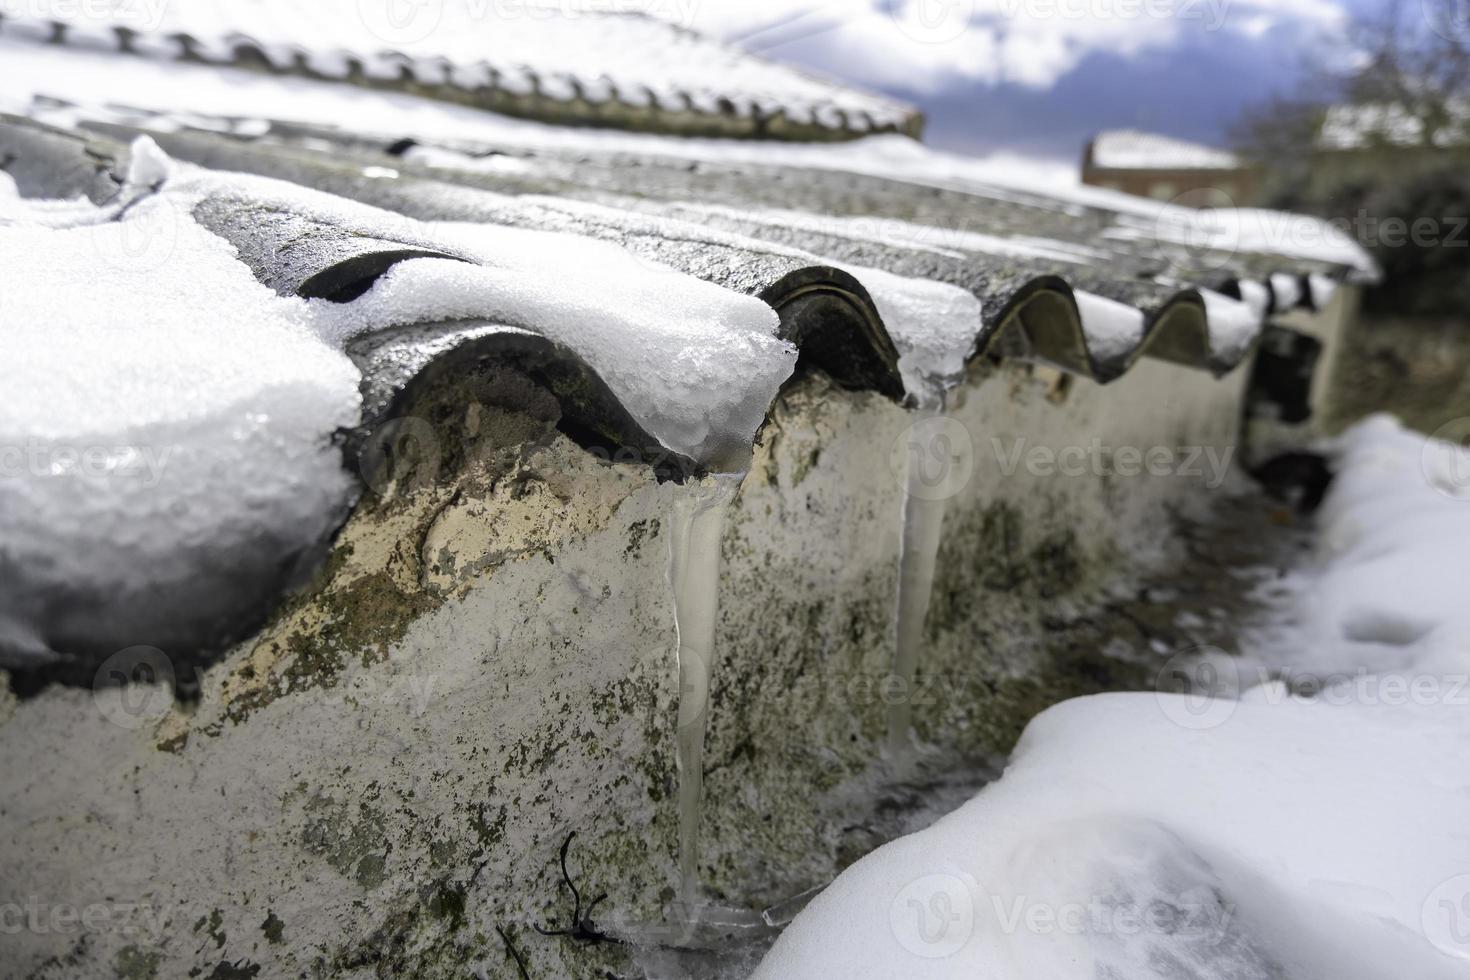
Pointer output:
1166, 169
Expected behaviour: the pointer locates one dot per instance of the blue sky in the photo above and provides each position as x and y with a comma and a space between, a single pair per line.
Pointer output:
1037, 77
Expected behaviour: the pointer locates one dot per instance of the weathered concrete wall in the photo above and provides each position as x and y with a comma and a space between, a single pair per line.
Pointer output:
1268, 436
1412, 367
1330, 326
383, 777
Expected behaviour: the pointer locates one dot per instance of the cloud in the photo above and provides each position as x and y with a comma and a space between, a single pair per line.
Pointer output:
928, 46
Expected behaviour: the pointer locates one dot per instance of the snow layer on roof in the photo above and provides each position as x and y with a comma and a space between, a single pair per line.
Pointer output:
1288, 290
1129, 149
148, 443
587, 50
201, 443
1233, 324
906, 234
1216, 234
696, 364
1112, 329
28, 70
1257, 296
933, 325
1322, 289
1155, 836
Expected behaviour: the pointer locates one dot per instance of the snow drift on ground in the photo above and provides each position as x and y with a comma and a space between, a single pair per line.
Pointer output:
1390, 593
1292, 832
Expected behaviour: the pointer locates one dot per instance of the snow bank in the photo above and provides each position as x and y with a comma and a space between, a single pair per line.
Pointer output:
1388, 591
1168, 835
1121, 845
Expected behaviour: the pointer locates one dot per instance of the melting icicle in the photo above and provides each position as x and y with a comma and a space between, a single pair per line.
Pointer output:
697, 527
938, 461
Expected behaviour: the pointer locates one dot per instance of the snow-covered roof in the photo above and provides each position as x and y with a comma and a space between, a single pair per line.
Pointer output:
664, 289
1130, 149
566, 62
1357, 127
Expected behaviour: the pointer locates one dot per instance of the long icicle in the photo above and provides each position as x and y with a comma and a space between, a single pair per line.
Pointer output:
697, 528
931, 458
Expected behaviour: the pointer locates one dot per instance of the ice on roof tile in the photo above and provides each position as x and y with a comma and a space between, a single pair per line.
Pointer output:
162, 395
933, 325
168, 425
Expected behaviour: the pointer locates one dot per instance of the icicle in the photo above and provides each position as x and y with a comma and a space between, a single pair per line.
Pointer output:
697, 527
937, 463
